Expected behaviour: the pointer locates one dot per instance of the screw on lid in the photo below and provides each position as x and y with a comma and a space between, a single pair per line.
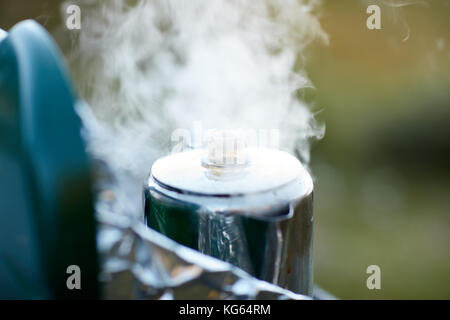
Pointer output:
266, 169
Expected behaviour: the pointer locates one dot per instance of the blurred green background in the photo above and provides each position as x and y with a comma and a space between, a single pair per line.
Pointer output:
383, 169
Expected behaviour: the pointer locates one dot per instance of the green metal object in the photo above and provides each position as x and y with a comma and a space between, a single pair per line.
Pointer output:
46, 201
180, 221
250, 207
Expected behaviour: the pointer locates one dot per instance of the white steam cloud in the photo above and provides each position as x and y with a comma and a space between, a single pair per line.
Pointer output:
147, 68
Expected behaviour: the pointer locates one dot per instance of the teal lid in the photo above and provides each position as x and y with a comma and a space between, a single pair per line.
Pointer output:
47, 218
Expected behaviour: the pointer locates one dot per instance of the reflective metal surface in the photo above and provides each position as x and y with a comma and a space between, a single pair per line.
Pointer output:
267, 234
139, 263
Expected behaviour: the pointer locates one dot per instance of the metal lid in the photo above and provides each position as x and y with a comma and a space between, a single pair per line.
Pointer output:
266, 169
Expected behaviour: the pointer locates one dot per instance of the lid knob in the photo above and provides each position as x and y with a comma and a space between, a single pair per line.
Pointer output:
226, 149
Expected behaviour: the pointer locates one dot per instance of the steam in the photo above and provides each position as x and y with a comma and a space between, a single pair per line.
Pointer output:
146, 68
396, 16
